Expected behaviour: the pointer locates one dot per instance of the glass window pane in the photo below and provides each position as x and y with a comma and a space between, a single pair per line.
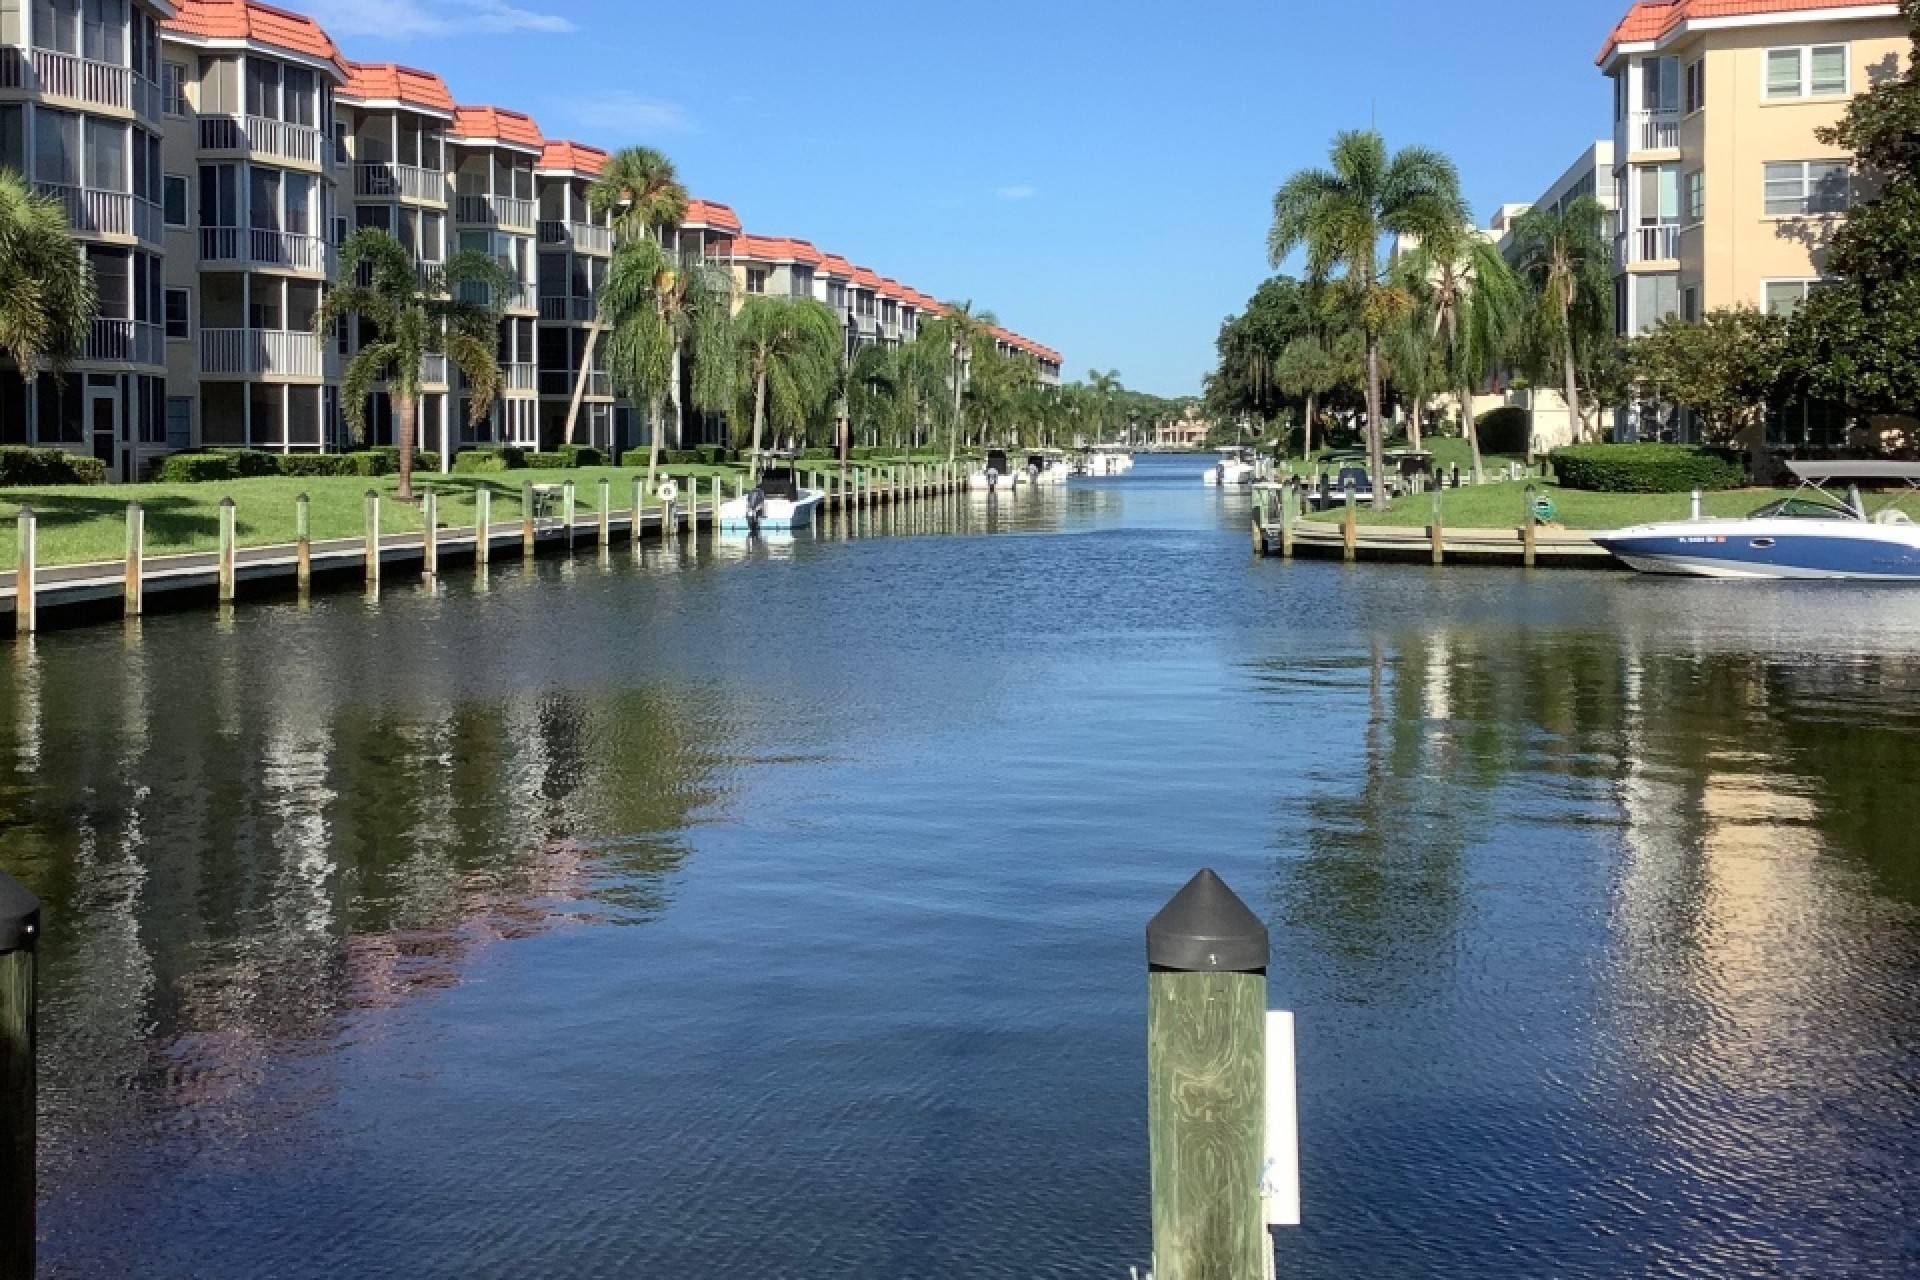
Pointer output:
1784, 296
107, 155
56, 148
1829, 69
1827, 187
1783, 73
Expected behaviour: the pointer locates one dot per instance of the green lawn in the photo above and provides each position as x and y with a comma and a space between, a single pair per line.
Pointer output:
1448, 452
1502, 506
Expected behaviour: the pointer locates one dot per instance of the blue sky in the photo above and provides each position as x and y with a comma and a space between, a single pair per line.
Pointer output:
1099, 175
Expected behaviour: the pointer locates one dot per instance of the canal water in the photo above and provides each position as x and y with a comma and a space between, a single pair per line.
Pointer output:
778, 911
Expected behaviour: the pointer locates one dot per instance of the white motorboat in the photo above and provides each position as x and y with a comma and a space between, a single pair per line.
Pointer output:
1107, 460
1047, 468
1237, 466
1803, 536
996, 473
776, 501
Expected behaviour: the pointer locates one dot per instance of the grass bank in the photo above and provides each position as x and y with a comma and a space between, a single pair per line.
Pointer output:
1502, 506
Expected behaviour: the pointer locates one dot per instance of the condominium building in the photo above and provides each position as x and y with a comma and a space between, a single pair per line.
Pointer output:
1726, 195
212, 157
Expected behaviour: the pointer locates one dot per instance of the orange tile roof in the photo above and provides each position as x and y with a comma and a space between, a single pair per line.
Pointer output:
864, 278
832, 264
709, 213
261, 23
496, 124
391, 82
571, 157
1654, 19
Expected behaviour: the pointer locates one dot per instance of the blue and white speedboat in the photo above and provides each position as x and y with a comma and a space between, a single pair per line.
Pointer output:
776, 502
1808, 535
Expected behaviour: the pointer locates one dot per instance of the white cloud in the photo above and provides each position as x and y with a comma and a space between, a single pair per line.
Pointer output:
403, 18
631, 112
1019, 191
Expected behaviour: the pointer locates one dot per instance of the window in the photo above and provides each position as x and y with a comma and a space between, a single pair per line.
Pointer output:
1784, 297
103, 31
179, 315
1695, 89
1797, 188
1812, 71
56, 147
173, 88
1690, 304
756, 280
1660, 84
173, 201
1693, 197
1656, 297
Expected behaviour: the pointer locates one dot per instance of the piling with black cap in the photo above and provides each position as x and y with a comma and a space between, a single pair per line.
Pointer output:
19, 933
1206, 1083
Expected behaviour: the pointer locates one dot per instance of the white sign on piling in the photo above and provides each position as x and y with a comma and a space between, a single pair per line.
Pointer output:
1280, 1175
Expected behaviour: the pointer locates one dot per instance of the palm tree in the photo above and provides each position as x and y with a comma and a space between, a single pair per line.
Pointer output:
1106, 390
1306, 369
639, 193
47, 296
656, 310
963, 330
1469, 300
1563, 255
411, 318
788, 352
1340, 216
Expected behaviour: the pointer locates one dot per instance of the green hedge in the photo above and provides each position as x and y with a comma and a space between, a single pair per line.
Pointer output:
20, 464
1507, 429
490, 461
1646, 468
192, 468
311, 464
549, 461
581, 455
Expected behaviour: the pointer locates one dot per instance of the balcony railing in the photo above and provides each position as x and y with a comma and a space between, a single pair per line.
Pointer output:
261, 136
148, 223
278, 353
400, 181
1656, 244
578, 310
518, 375
62, 75
148, 102
505, 212
433, 369
583, 236
266, 248
126, 341
91, 211
1656, 130
559, 382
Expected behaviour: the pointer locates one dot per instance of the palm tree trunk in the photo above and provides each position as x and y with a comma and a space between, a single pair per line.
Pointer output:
404, 411
1471, 429
1574, 423
673, 398
1416, 408
953, 434
1376, 442
580, 383
759, 420
656, 413
1306, 445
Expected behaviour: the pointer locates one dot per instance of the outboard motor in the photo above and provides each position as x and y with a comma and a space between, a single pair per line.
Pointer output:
756, 507
993, 479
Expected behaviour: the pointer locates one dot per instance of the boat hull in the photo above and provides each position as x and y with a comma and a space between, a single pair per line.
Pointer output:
779, 513
1772, 549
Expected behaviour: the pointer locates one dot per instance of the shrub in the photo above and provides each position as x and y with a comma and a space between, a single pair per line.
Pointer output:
249, 463
312, 464
634, 457
1508, 429
549, 461
817, 453
83, 468
1646, 468
712, 455
489, 461
581, 455
194, 468
371, 462
20, 464
680, 457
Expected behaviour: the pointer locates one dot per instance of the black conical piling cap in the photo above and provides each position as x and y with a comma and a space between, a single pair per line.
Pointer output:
19, 915
1207, 929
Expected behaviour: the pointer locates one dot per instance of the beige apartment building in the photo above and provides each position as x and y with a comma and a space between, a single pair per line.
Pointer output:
213, 155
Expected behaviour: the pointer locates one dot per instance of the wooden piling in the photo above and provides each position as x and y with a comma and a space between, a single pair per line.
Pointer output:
19, 1026
1350, 528
606, 513
482, 524
1289, 512
372, 555
228, 536
133, 590
27, 575
1206, 1084
1438, 533
1528, 549
567, 510
527, 531
639, 506
303, 544
430, 536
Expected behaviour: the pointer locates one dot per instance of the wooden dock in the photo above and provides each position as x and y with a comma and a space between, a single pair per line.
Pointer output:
1280, 529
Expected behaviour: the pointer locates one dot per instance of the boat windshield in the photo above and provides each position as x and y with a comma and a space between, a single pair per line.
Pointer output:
779, 482
1803, 509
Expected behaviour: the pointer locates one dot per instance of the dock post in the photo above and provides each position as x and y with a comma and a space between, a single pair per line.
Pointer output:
693, 511
227, 538
1289, 512
566, 510
372, 503
1693, 509
526, 520
606, 513
430, 539
1439, 534
1206, 1084
639, 505
717, 486
482, 524
1528, 549
1350, 528
303, 543
136, 559
26, 579
19, 1024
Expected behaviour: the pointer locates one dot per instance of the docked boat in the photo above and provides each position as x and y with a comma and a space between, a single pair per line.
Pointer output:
1811, 534
1047, 468
1236, 467
776, 501
996, 473
1108, 460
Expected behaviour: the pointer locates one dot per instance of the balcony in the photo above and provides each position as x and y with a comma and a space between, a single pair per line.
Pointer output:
269, 353
1657, 130
517, 297
254, 246
125, 342
1654, 244
581, 236
91, 211
263, 137
400, 182
62, 75
560, 382
505, 212
148, 102
518, 376
433, 369
564, 310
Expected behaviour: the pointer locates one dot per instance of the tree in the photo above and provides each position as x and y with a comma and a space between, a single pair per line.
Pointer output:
1856, 342
1563, 255
1413, 364
639, 193
47, 295
1104, 395
410, 317
1250, 346
656, 310
1341, 214
961, 329
1470, 301
1306, 371
787, 351
1725, 368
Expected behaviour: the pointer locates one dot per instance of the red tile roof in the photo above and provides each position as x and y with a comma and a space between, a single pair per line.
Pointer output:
1653, 19
571, 157
832, 264
864, 278
261, 23
708, 213
391, 82
496, 124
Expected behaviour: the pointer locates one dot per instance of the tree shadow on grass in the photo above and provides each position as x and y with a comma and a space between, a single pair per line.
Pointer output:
170, 519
